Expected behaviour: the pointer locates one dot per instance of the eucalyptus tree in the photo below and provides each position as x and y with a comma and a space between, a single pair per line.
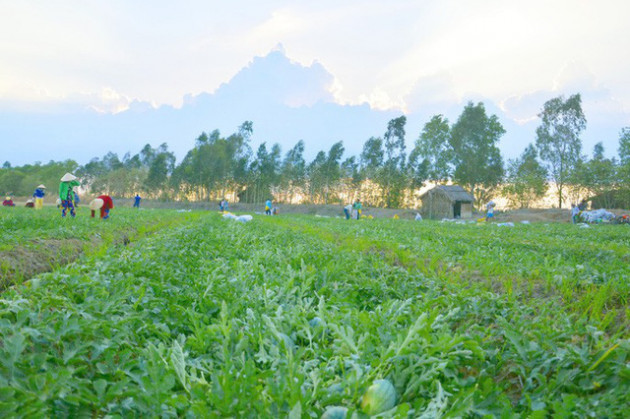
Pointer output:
597, 177
324, 173
476, 157
392, 178
351, 175
370, 169
293, 170
162, 165
558, 138
432, 155
526, 179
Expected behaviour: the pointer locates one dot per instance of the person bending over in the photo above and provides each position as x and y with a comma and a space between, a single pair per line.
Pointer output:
104, 203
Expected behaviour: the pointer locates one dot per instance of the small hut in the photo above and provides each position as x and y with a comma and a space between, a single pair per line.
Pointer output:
447, 201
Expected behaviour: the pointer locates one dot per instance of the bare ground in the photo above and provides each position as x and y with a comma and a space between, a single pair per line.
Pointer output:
24, 262
534, 215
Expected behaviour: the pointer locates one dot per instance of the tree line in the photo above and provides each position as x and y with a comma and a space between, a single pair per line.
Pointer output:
464, 152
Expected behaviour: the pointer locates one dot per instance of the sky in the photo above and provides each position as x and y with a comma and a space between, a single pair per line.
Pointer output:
415, 57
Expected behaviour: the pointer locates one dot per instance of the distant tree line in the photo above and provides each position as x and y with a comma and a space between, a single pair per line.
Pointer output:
464, 152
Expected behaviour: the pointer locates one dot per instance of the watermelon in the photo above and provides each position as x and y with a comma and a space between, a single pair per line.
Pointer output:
316, 322
335, 412
379, 397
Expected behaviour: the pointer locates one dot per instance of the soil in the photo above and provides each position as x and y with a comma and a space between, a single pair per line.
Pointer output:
534, 215
24, 262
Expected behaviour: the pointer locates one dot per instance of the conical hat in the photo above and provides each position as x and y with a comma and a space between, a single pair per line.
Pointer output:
68, 177
96, 204
41, 187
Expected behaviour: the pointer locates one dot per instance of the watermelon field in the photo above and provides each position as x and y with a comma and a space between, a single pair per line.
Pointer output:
158, 313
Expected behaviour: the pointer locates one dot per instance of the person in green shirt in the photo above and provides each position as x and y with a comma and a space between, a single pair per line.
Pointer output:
356, 208
66, 193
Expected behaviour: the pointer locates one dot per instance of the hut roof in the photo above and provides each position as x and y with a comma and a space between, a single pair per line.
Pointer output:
452, 192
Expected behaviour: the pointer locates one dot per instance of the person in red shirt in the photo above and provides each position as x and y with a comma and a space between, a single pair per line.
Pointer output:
104, 203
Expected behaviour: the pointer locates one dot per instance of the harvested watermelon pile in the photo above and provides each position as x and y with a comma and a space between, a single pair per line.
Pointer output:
306, 317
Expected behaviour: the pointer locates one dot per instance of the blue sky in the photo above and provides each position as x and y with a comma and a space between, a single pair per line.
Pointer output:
418, 57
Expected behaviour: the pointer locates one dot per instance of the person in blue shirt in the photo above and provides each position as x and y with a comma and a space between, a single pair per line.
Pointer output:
223, 205
39, 197
136, 202
268, 205
490, 210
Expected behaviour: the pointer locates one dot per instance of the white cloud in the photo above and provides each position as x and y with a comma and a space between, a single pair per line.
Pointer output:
403, 54
598, 101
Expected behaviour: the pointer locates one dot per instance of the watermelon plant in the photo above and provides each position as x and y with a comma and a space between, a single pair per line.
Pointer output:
304, 317
38, 241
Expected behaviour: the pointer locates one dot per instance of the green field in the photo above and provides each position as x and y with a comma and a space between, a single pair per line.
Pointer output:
288, 316
38, 241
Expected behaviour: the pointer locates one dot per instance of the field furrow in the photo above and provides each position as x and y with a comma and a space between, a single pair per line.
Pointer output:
583, 271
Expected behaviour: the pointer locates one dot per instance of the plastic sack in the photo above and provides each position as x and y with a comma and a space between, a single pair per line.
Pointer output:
597, 215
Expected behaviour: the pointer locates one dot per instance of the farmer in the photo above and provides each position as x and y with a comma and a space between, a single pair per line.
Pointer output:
104, 203
136, 202
66, 193
347, 210
39, 197
30, 204
357, 207
490, 210
8, 202
268, 206
223, 205
575, 213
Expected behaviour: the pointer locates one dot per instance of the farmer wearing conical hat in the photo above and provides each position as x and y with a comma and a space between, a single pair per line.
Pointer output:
39, 194
103, 203
66, 193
